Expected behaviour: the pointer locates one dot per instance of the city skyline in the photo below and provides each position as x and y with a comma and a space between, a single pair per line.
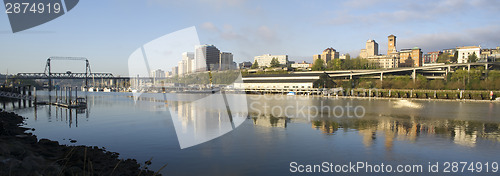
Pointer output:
298, 29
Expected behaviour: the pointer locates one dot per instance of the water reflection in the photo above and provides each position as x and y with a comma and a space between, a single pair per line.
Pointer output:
270, 121
59, 114
461, 132
205, 118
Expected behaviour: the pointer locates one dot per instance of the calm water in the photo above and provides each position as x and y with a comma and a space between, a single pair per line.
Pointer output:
279, 131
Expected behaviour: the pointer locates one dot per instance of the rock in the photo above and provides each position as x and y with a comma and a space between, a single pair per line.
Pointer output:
48, 142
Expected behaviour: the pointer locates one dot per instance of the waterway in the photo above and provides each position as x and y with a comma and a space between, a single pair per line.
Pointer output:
277, 130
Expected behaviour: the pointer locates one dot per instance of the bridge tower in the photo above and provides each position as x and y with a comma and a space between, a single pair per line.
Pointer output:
49, 73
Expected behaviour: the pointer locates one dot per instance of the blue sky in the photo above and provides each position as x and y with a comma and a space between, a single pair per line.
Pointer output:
107, 32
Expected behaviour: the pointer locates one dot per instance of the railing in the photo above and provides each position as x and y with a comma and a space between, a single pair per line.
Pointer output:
16, 96
62, 75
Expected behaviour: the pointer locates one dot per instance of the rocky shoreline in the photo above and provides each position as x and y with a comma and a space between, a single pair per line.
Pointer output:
21, 153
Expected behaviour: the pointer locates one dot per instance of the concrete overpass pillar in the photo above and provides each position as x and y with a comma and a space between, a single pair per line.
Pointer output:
468, 67
381, 76
414, 75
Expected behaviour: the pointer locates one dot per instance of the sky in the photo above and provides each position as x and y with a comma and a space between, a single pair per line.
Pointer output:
108, 32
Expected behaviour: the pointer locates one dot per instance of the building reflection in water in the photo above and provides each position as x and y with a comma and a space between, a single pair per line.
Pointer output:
270, 121
461, 132
206, 118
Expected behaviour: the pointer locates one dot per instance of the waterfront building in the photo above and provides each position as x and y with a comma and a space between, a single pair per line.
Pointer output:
370, 50
245, 65
327, 55
182, 68
391, 45
206, 58
226, 61
466, 51
343, 56
490, 55
450, 51
158, 73
427, 58
188, 58
385, 61
302, 65
174, 70
265, 60
410, 57
371, 53
431, 57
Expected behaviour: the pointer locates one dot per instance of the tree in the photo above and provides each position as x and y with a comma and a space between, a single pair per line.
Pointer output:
443, 58
347, 56
472, 58
318, 65
455, 57
334, 64
255, 65
275, 62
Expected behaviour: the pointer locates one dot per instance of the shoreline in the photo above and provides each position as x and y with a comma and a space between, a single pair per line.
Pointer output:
22, 153
386, 98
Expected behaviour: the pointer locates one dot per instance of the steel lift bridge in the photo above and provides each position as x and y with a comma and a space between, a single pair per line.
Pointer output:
49, 75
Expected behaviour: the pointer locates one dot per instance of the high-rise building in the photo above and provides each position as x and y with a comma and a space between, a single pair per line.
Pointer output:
188, 58
226, 61
158, 73
265, 60
206, 57
327, 55
182, 68
174, 70
370, 50
391, 46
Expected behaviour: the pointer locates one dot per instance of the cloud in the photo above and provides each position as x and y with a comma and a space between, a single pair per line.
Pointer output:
361, 4
209, 27
244, 42
265, 33
210, 3
488, 37
368, 12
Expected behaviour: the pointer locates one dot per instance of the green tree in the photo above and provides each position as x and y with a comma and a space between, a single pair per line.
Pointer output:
472, 58
444, 58
455, 57
436, 84
275, 62
347, 56
318, 65
255, 65
334, 64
